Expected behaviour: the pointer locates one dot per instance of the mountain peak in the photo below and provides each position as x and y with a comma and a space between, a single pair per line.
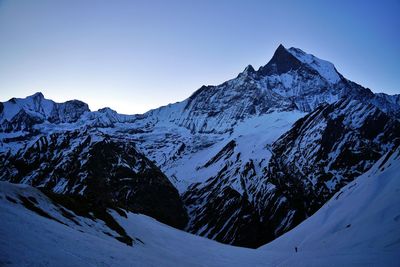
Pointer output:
280, 48
285, 60
37, 95
107, 110
247, 71
281, 62
280, 53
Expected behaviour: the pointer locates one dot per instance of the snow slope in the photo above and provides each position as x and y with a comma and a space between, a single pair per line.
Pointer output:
359, 226
252, 136
324, 68
28, 239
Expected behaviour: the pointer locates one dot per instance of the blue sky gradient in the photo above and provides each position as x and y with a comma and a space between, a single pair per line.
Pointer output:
136, 55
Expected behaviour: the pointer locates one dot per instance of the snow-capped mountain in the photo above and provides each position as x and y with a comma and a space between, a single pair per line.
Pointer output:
21, 114
236, 152
358, 226
322, 152
261, 188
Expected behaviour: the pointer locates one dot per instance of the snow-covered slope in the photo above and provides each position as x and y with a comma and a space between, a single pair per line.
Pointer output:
326, 69
225, 179
359, 226
29, 239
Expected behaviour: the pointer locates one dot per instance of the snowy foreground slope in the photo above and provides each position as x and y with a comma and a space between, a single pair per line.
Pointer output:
28, 239
359, 226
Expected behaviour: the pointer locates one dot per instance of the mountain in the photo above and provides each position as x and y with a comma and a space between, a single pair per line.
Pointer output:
250, 158
21, 114
358, 226
322, 152
252, 200
101, 168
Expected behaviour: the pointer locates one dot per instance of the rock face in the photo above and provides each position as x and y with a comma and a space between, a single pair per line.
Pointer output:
323, 151
320, 154
99, 167
251, 157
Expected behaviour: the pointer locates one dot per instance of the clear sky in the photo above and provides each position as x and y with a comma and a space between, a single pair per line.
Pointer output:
136, 55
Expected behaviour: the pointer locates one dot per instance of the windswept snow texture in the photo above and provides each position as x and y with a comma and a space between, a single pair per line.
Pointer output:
359, 226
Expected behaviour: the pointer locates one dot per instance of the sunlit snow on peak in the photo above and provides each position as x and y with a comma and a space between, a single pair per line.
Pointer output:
324, 68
